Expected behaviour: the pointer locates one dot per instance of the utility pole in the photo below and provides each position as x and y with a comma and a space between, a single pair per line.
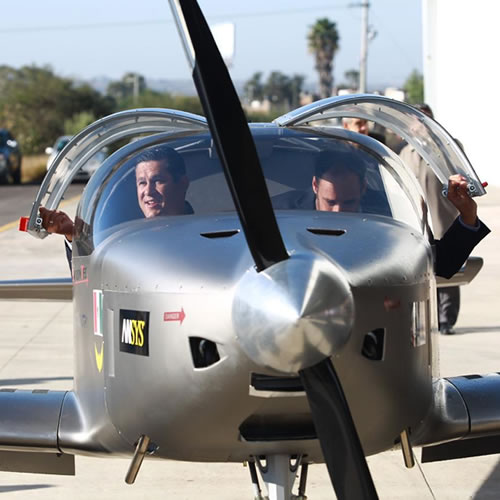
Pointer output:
133, 78
366, 35
364, 46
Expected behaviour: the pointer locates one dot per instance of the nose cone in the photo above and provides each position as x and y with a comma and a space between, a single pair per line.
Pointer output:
293, 314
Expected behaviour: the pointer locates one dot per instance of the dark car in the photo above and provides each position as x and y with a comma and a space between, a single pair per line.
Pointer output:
10, 158
87, 169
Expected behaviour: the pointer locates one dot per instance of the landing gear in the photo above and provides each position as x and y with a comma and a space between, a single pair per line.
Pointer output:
278, 473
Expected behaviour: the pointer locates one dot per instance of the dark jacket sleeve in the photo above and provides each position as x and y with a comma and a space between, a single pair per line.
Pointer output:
453, 249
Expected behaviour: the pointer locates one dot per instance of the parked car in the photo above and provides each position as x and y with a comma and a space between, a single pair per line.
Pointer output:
10, 158
88, 169
56, 148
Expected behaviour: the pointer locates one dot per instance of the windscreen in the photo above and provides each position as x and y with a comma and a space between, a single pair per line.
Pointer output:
183, 176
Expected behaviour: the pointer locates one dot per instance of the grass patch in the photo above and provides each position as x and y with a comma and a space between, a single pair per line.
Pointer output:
33, 168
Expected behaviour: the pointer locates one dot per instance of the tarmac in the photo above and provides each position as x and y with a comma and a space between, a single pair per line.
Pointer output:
36, 352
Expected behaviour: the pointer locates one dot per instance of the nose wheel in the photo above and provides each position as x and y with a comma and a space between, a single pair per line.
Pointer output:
278, 473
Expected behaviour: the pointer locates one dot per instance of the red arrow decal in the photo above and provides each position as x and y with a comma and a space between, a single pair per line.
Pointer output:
174, 316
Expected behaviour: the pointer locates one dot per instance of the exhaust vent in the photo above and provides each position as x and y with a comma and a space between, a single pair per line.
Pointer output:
373, 345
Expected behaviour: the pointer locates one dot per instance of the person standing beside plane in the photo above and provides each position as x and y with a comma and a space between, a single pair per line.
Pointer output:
443, 214
161, 183
358, 125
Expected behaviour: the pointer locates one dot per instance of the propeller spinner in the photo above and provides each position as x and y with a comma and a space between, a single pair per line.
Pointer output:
294, 314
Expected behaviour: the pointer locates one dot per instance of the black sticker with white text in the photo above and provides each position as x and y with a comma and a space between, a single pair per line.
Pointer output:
134, 332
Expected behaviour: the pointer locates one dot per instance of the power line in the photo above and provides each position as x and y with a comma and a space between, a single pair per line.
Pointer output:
282, 11
160, 22
72, 27
395, 41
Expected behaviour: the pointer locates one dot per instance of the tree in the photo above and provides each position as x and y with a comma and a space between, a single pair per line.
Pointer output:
295, 86
130, 85
34, 104
414, 87
126, 98
352, 78
6, 74
254, 89
323, 42
153, 99
276, 88
281, 90
78, 122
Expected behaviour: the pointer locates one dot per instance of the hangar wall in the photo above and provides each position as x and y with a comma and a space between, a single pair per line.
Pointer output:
461, 54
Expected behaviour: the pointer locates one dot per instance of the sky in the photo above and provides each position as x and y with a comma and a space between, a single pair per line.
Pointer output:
94, 38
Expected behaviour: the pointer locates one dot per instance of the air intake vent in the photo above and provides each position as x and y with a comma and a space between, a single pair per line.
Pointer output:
277, 428
204, 352
326, 232
220, 234
276, 384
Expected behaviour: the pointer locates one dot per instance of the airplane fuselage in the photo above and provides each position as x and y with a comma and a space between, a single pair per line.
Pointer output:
163, 337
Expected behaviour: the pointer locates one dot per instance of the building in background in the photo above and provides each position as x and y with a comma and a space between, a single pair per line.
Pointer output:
460, 50
223, 34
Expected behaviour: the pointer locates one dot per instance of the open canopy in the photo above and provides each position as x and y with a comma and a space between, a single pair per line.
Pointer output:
428, 137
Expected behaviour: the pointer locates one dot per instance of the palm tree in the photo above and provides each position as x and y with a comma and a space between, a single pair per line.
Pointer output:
323, 40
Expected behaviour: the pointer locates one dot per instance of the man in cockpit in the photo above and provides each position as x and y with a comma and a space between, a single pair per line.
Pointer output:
161, 183
341, 187
338, 190
338, 185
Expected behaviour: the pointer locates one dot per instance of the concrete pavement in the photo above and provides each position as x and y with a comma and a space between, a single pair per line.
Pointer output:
36, 352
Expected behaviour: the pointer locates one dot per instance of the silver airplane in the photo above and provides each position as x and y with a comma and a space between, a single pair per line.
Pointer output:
246, 329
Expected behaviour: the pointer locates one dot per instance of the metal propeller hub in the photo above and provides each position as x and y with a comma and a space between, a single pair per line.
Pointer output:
294, 314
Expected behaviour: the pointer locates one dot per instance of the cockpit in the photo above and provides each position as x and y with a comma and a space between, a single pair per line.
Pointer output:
302, 168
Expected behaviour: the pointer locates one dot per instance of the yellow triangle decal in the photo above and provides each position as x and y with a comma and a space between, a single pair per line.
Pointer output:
99, 357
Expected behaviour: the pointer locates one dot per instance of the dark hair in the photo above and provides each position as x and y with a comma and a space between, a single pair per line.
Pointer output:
425, 108
168, 156
339, 162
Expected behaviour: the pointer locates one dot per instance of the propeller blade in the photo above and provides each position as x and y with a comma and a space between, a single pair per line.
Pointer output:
337, 434
231, 135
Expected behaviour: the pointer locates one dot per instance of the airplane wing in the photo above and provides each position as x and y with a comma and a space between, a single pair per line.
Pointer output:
465, 419
29, 428
30, 420
37, 289
464, 276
